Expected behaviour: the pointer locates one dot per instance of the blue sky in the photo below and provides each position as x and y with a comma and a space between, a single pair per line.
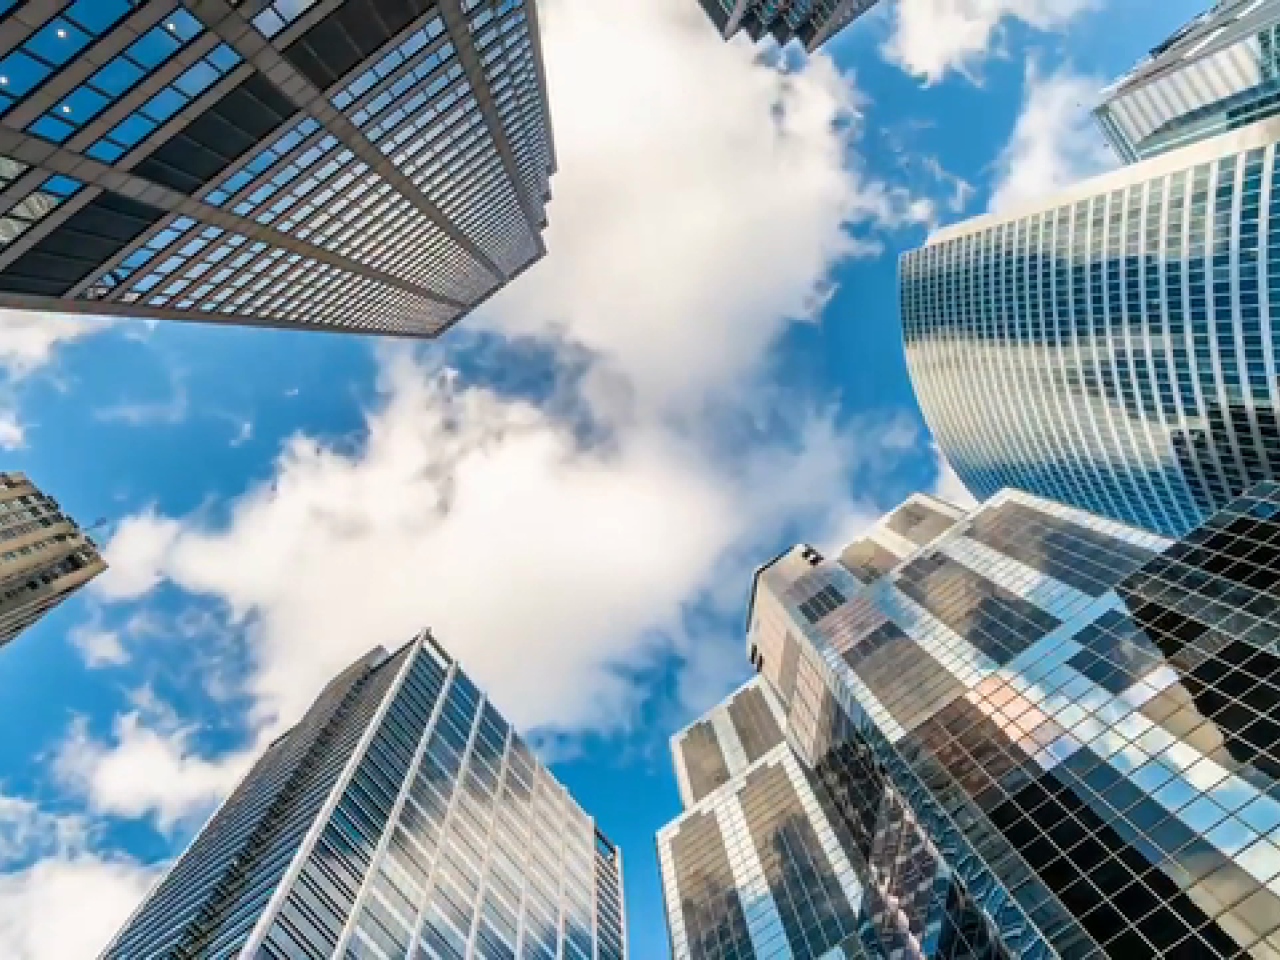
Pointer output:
572, 487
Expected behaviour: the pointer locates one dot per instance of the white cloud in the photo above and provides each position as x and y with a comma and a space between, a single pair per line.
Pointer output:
930, 37
541, 564
243, 433
948, 486
13, 435
138, 546
702, 195
59, 899
28, 343
68, 907
149, 767
99, 647
1055, 141
703, 198
135, 413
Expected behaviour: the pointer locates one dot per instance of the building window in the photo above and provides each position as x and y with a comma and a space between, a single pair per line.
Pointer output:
821, 603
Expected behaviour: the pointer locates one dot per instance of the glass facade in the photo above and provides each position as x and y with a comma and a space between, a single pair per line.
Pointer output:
1041, 733
377, 166
812, 22
1219, 72
1115, 347
401, 819
44, 555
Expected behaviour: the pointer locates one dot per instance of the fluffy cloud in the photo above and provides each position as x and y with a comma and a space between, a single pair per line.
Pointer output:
705, 193
98, 646
930, 37
1055, 141
702, 195
59, 899
147, 768
543, 564
29, 342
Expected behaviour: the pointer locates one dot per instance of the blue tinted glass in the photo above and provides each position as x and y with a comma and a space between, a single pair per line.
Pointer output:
197, 79
61, 186
164, 104
132, 129
116, 77
105, 151
51, 129
84, 103
19, 73
97, 15
153, 47
182, 24
57, 42
223, 57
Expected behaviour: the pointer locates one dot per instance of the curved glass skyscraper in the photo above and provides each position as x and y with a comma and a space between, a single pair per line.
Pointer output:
1113, 347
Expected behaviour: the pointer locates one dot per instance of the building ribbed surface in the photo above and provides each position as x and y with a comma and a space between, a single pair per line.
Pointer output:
1218, 72
1114, 346
1031, 733
402, 818
376, 166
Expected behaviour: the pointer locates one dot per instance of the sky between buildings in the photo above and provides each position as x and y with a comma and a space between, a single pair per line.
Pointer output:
572, 487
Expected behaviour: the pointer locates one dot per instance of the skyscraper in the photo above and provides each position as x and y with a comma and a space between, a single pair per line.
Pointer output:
401, 818
1112, 346
44, 557
376, 166
1027, 731
1216, 73
812, 22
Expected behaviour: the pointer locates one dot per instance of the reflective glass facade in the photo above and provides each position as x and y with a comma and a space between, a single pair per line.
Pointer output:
401, 819
376, 166
44, 555
812, 22
1113, 347
1218, 72
1040, 733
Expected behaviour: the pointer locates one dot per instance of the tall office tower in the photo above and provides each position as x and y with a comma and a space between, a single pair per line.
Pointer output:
812, 22
374, 166
1113, 346
1218, 72
1031, 732
402, 819
44, 556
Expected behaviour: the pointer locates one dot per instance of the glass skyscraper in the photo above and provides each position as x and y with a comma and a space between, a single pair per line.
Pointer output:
376, 166
1021, 731
1218, 72
812, 22
1114, 346
401, 819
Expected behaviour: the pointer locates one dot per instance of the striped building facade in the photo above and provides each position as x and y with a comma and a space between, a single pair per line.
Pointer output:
401, 819
1029, 731
367, 166
1114, 346
1218, 72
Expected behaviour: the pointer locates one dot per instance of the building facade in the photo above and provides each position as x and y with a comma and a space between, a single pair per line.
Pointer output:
44, 556
1218, 72
375, 166
812, 22
402, 818
1030, 731
1114, 346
